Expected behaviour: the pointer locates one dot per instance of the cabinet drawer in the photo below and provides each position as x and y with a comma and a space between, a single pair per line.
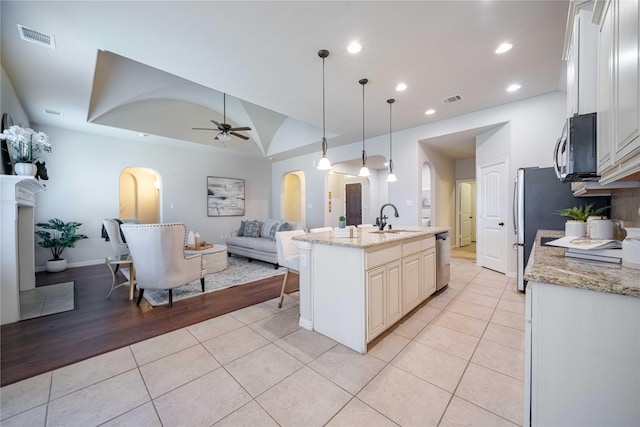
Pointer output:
411, 247
383, 256
428, 243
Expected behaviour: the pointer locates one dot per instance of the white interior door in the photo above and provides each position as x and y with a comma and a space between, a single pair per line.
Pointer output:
474, 190
464, 201
492, 211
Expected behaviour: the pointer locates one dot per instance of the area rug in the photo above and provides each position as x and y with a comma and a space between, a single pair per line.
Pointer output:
45, 300
239, 271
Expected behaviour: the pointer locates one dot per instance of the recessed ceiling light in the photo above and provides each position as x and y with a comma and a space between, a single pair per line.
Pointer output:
144, 135
513, 87
401, 87
504, 47
430, 112
354, 47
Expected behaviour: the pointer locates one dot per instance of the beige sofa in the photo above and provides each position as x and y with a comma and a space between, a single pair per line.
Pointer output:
258, 241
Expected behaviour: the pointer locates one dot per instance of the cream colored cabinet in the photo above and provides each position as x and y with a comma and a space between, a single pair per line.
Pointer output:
605, 91
383, 298
582, 349
428, 273
394, 293
376, 291
411, 281
581, 56
626, 78
618, 90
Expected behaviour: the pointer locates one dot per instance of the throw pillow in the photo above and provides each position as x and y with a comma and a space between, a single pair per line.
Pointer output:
266, 228
241, 229
284, 226
252, 229
272, 233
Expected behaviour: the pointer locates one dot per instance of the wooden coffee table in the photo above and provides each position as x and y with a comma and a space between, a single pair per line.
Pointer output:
213, 259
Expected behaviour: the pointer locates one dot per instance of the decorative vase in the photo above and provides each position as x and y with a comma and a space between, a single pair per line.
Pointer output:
28, 169
631, 249
575, 228
53, 266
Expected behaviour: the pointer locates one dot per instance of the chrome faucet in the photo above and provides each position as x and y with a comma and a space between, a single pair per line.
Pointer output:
381, 221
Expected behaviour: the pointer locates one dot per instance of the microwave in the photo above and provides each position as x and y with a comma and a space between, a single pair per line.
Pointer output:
575, 155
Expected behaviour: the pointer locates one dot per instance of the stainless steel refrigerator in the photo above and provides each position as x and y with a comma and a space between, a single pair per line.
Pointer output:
538, 195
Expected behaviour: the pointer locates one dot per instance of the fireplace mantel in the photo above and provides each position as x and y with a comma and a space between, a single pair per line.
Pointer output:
17, 246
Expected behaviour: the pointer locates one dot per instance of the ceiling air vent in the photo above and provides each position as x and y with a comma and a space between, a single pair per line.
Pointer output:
450, 99
36, 37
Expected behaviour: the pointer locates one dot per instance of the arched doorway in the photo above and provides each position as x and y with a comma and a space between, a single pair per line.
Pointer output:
428, 199
140, 195
293, 197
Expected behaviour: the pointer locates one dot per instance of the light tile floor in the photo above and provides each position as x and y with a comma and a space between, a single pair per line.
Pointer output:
458, 359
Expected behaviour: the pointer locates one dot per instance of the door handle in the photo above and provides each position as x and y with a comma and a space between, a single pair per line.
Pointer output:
501, 224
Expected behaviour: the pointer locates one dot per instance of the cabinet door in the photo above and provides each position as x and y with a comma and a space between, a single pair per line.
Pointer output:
376, 289
428, 273
628, 92
605, 74
411, 282
572, 69
394, 293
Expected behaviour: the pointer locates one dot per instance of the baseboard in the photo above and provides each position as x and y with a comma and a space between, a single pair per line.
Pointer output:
41, 268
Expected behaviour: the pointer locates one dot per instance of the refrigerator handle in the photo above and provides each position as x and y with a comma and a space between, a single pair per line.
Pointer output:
515, 207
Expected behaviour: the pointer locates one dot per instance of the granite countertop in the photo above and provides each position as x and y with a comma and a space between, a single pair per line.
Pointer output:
370, 238
548, 264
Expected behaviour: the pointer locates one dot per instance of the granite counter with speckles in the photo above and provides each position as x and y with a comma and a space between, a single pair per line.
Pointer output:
367, 238
547, 264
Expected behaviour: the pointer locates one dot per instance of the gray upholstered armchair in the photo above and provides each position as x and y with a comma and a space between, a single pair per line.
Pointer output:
158, 257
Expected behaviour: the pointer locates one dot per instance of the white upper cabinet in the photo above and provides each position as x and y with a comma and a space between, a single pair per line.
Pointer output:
581, 53
618, 90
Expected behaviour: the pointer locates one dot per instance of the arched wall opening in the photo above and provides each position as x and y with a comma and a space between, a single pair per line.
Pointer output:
140, 195
293, 197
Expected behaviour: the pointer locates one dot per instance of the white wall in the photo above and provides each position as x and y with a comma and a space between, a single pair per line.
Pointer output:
84, 173
9, 102
465, 169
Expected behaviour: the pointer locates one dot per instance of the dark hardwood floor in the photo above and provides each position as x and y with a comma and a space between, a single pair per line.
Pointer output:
98, 325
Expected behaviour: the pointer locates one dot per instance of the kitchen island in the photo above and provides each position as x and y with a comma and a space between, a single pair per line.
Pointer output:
582, 340
354, 288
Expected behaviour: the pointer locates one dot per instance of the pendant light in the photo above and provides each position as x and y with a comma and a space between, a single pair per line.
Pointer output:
324, 163
392, 176
364, 170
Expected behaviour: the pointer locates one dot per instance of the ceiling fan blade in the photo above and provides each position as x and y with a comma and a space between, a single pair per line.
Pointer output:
239, 135
216, 123
241, 128
203, 129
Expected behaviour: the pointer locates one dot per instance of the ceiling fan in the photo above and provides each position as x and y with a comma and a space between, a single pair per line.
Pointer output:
224, 129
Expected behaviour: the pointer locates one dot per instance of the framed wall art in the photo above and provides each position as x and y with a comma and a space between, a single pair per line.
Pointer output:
225, 196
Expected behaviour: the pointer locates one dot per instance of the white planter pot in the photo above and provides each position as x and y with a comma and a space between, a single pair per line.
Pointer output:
53, 266
575, 228
28, 169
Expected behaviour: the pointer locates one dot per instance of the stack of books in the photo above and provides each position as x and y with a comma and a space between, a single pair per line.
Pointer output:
591, 249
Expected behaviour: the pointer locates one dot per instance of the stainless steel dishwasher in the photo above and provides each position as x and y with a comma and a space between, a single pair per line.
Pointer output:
443, 253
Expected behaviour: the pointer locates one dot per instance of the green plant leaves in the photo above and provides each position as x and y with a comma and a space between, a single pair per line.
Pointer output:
581, 213
63, 235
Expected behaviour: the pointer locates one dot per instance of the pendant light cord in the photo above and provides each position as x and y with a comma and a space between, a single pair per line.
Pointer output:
324, 137
364, 153
390, 102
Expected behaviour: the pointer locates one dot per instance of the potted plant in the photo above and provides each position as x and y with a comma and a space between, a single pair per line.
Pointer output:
576, 225
62, 235
26, 146
342, 221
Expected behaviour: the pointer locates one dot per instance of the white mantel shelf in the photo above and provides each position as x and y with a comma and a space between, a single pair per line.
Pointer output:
17, 245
